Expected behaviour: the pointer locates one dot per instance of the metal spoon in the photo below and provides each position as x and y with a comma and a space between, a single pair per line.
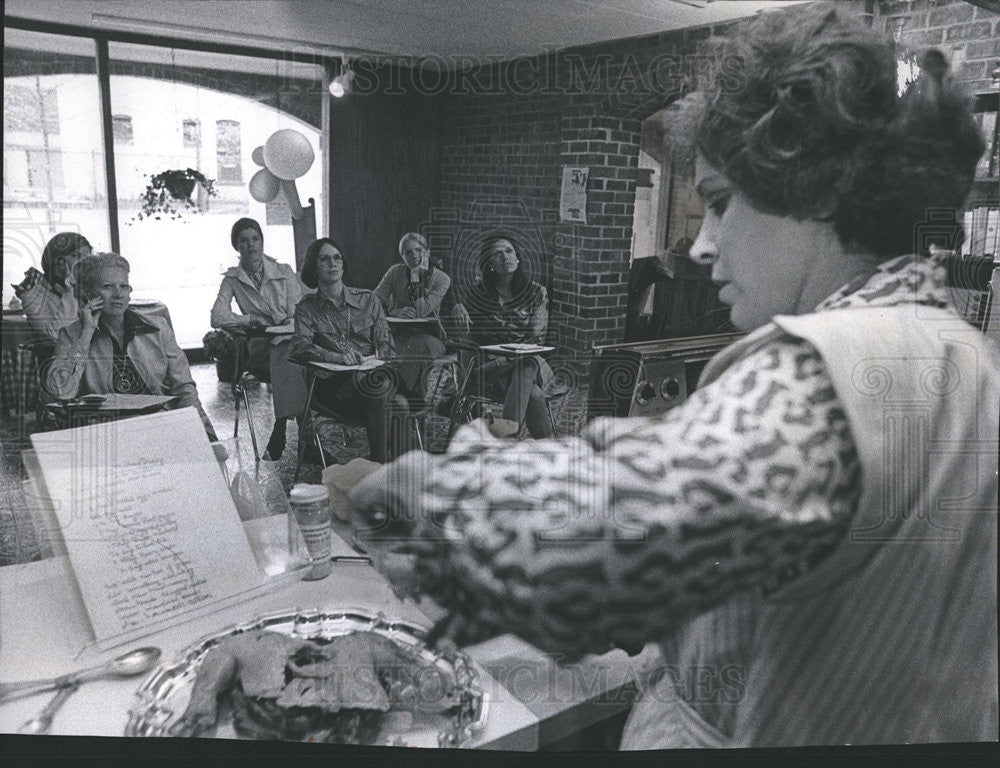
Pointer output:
41, 722
127, 665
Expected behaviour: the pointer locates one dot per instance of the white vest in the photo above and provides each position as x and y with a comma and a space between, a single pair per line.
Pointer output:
893, 637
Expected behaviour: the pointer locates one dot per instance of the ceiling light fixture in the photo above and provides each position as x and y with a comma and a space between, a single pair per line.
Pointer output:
340, 86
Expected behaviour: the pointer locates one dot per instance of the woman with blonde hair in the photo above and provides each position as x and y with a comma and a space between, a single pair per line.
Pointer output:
112, 348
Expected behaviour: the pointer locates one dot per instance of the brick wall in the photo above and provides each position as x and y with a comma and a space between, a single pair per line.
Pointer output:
967, 34
508, 129
503, 148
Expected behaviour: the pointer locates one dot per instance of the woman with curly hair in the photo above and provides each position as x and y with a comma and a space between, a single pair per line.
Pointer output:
810, 539
506, 306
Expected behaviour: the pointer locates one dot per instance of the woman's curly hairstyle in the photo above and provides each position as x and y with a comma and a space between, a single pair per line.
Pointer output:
817, 129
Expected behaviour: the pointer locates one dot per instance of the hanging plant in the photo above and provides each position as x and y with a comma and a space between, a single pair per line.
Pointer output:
169, 194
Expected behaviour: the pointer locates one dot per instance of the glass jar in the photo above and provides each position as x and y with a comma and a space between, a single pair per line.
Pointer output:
309, 528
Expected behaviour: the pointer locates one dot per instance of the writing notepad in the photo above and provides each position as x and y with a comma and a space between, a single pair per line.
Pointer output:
367, 363
150, 528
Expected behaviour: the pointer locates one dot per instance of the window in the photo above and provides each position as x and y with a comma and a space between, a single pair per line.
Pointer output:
191, 130
227, 152
53, 153
206, 98
122, 126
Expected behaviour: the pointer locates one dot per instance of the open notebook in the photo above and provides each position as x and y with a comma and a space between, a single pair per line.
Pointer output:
149, 526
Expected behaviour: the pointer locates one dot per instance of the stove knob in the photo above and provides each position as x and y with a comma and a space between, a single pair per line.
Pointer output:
670, 388
645, 392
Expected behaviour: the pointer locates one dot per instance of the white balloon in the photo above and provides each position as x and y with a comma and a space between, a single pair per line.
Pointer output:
288, 154
264, 186
258, 155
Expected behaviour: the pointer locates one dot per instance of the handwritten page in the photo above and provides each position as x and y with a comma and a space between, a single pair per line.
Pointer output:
150, 528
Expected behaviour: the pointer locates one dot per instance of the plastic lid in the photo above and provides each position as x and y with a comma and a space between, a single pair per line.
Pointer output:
305, 493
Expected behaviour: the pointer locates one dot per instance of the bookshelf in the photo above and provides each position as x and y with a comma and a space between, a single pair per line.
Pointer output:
982, 212
976, 272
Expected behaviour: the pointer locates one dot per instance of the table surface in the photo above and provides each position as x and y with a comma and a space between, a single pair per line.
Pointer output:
320, 365
505, 349
118, 402
32, 594
531, 699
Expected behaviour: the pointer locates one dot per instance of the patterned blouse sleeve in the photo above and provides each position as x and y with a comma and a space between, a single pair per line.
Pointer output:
611, 539
539, 325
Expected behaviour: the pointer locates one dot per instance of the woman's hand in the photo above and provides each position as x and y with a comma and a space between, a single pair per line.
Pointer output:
254, 321
387, 503
461, 315
407, 313
90, 312
347, 357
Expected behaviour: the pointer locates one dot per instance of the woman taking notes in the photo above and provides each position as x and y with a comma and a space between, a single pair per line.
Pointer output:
344, 325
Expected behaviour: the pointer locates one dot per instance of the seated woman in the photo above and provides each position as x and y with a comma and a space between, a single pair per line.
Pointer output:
266, 292
340, 324
508, 307
112, 348
47, 296
414, 290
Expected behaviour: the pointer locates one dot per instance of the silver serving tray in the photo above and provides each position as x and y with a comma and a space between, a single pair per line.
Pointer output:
163, 697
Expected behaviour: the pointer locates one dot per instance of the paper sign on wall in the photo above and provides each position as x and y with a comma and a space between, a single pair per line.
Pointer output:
573, 198
149, 525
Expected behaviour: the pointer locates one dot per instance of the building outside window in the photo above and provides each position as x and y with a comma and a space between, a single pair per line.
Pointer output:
227, 152
55, 170
191, 130
122, 127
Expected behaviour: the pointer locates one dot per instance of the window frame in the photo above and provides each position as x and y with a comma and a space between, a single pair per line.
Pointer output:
103, 37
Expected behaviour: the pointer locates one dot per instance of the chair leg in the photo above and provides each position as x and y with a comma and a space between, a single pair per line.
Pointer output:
306, 422
319, 447
552, 419
253, 433
416, 429
237, 375
22, 386
459, 394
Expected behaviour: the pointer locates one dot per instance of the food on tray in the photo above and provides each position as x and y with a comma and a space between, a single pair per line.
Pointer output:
333, 690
